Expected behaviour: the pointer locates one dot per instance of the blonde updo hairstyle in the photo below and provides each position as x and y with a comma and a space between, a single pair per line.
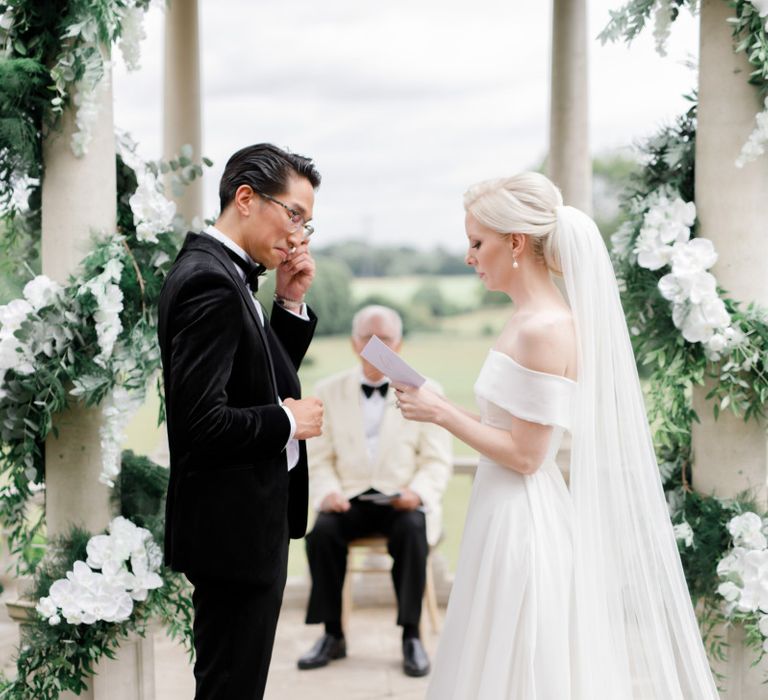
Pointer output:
524, 203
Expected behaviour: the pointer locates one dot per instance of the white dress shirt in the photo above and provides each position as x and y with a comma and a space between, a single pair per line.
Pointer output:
373, 413
292, 446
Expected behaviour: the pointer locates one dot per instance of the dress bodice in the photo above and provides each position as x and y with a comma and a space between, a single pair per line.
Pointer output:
505, 388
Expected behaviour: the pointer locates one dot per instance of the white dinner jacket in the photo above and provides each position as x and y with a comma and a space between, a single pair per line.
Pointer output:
410, 454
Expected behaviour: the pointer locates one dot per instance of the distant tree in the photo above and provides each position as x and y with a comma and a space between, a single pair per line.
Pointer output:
414, 318
365, 260
430, 296
330, 296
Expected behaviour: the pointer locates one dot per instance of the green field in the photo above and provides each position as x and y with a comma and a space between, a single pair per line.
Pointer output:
464, 291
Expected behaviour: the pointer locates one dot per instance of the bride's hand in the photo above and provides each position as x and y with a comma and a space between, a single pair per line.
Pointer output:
419, 404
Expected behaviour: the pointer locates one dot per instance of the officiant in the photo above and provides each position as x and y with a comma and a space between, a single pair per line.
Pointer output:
372, 472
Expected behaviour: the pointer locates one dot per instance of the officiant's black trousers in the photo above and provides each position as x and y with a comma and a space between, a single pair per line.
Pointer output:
234, 632
406, 532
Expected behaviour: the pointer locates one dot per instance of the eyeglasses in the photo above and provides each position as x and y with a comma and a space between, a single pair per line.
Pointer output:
296, 217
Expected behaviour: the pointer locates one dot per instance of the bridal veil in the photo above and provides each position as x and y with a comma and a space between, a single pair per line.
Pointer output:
634, 632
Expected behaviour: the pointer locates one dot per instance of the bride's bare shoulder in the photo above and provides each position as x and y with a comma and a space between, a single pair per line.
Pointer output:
545, 342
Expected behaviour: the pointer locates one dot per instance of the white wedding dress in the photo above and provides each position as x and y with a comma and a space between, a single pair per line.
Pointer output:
507, 630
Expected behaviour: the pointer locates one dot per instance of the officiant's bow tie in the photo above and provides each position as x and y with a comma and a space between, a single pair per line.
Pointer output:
252, 270
368, 389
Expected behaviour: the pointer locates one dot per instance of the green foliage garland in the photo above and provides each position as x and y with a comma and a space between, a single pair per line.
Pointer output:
739, 381
57, 658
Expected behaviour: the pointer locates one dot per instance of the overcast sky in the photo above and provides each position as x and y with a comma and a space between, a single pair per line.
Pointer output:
403, 103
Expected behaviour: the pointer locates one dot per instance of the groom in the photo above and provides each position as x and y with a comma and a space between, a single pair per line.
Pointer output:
236, 422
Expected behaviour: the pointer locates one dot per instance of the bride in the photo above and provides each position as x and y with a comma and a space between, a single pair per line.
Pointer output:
560, 594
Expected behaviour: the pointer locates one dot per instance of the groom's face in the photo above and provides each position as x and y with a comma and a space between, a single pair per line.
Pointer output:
268, 237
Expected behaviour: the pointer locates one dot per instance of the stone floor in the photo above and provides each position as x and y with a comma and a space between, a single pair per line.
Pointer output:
372, 670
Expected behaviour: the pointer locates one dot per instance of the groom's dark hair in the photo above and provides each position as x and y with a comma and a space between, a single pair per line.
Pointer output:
266, 169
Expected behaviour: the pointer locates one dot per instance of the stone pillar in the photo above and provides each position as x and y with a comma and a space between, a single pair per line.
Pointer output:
181, 96
570, 163
729, 454
79, 198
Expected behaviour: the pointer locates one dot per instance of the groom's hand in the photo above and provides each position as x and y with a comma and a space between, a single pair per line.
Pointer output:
295, 275
308, 414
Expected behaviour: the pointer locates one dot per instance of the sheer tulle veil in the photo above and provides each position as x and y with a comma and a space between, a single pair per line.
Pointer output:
634, 632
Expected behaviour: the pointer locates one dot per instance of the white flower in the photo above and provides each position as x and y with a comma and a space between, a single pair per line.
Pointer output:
717, 343
698, 322
662, 24
730, 591
621, 241
109, 298
684, 532
763, 625
152, 212
746, 530
667, 221
761, 6
46, 607
756, 143
117, 409
42, 291
695, 287
6, 20
693, 257
86, 596
131, 35
13, 314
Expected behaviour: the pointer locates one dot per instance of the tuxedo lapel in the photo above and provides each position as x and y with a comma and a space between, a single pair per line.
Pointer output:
203, 241
351, 416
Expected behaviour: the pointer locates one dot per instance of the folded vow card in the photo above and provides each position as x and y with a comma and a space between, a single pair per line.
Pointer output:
390, 363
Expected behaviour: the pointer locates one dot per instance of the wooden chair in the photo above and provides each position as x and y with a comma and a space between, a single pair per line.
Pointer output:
365, 546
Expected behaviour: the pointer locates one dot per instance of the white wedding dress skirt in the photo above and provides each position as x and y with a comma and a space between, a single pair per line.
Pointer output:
507, 630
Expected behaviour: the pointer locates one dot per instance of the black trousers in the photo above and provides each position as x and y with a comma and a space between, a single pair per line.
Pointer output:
234, 632
406, 532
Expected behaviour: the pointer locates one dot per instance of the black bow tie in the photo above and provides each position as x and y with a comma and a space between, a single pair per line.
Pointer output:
368, 389
252, 270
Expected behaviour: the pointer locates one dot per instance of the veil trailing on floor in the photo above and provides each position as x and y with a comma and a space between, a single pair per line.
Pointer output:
635, 635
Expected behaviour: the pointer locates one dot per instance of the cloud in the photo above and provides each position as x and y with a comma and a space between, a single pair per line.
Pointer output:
401, 104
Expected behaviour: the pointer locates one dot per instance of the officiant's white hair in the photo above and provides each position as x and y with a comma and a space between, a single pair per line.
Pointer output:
367, 313
524, 203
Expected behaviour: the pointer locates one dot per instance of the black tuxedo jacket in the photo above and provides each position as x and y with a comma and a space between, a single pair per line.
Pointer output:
231, 500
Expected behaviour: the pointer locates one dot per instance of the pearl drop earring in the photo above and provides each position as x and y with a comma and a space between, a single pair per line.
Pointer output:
514, 264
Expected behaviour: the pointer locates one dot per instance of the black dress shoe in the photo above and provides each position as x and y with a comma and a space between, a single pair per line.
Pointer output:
326, 649
415, 659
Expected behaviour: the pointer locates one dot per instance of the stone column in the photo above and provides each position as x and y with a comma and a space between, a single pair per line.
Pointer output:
79, 198
570, 164
729, 454
181, 97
